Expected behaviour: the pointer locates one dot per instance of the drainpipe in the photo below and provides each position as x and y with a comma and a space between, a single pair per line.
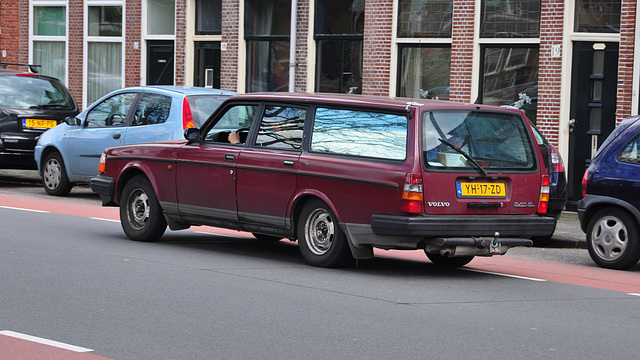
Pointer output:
292, 46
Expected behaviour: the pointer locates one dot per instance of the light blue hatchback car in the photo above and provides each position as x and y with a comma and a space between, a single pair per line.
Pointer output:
70, 152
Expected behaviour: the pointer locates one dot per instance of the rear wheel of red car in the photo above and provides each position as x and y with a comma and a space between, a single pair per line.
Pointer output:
54, 176
140, 213
613, 239
320, 239
440, 260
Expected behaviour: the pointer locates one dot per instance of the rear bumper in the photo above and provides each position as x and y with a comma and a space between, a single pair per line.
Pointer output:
511, 226
104, 186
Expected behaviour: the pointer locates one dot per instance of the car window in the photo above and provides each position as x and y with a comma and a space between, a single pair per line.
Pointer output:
111, 112
33, 92
494, 140
281, 127
630, 153
202, 106
151, 109
236, 118
360, 133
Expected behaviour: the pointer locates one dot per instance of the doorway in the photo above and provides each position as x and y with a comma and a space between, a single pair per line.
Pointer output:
207, 64
594, 83
160, 62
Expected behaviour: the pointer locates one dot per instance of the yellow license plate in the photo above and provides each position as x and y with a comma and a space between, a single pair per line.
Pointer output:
481, 189
39, 123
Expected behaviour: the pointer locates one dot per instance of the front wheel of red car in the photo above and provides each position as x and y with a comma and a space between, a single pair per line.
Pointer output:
613, 239
140, 213
320, 239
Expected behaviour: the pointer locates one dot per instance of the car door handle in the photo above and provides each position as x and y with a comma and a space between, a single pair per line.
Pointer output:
288, 163
116, 136
229, 157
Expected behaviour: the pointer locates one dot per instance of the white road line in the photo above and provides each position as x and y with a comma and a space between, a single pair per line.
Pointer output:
506, 275
633, 294
44, 341
15, 208
102, 219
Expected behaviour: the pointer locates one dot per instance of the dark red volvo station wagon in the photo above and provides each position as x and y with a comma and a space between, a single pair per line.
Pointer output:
341, 174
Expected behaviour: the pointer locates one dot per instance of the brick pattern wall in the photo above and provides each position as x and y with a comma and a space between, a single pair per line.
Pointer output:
76, 49
462, 50
628, 23
132, 65
376, 52
15, 31
302, 48
229, 57
550, 69
180, 44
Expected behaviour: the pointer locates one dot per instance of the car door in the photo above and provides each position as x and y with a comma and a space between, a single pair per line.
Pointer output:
150, 119
266, 171
104, 126
206, 169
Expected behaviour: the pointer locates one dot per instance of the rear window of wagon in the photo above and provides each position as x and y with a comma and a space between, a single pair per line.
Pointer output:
360, 133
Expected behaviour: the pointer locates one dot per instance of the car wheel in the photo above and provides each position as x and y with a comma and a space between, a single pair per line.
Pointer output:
612, 239
320, 239
140, 213
54, 176
263, 237
444, 261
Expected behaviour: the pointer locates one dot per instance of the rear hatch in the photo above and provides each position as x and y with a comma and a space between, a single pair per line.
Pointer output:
479, 161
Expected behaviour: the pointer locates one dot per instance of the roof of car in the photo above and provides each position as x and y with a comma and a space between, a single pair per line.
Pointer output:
185, 90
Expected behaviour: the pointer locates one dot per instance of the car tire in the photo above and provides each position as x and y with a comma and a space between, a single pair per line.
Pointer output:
140, 212
266, 238
613, 239
320, 239
453, 262
54, 175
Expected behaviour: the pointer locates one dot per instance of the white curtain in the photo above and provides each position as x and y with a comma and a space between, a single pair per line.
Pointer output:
51, 56
104, 69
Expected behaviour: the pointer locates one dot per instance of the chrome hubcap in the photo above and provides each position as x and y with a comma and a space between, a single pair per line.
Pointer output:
319, 231
52, 174
609, 238
139, 208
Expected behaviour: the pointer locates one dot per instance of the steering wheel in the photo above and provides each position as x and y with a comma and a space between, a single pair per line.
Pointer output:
111, 117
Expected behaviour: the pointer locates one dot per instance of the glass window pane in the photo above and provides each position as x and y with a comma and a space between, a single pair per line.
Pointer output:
234, 119
152, 109
49, 20
267, 66
51, 56
425, 18
104, 69
598, 16
339, 17
631, 151
161, 17
267, 17
208, 17
339, 66
105, 20
111, 112
424, 72
281, 128
510, 18
360, 133
510, 77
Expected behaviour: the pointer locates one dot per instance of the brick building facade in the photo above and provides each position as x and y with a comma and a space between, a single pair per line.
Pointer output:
539, 54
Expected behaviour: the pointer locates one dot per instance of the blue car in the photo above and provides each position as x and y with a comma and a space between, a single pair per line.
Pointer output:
610, 209
70, 152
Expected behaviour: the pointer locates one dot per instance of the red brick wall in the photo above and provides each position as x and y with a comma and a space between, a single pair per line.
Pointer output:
229, 57
180, 44
550, 69
15, 31
302, 48
462, 50
628, 23
376, 52
76, 49
133, 20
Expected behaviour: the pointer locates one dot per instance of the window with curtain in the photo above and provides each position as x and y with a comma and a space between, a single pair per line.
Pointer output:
510, 18
267, 27
104, 51
423, 71
49, 40
161, 15
208, 17
339, 35
425, 18
598, 16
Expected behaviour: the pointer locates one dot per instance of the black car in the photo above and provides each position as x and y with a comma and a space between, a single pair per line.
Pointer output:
29, 104
610, 208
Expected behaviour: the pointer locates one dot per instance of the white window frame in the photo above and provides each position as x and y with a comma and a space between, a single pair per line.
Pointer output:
101, 39
191, 39
64, 39
147, 37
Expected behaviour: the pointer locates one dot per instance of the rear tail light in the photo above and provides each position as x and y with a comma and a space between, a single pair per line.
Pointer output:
412, 197
102, 166
556, 161
187, 117
27, 74
543, 204
584, 182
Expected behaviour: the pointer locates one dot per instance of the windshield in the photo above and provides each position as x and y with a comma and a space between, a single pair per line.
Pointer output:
30, 92
476, 139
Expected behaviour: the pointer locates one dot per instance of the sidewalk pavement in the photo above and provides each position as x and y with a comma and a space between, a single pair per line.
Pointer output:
568, 233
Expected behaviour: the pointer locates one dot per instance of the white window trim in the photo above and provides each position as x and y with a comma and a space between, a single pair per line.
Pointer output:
65, 38
88, 39
191, 39
147, 37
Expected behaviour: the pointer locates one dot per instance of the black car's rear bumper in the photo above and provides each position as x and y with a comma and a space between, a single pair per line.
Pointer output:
104, 186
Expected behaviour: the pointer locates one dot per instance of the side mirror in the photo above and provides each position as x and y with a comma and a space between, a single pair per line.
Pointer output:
72, 121
192, 134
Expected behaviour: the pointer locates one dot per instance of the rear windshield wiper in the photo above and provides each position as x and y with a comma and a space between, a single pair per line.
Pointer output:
467, 156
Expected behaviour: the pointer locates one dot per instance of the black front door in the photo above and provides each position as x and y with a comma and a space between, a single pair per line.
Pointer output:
207, 64
160, 62
594, 84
